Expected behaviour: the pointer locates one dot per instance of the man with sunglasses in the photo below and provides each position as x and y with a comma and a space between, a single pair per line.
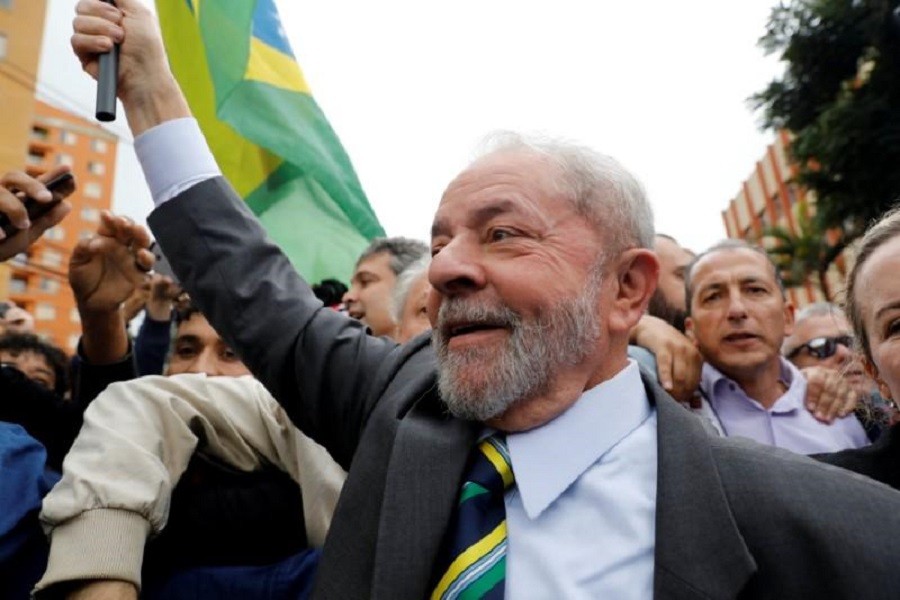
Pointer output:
822, 337
738, 317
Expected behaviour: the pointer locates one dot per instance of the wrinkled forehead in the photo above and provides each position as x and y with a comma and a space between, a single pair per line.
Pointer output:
877, 283
510, 180
828, 325
731, 265
671, 253
377, 264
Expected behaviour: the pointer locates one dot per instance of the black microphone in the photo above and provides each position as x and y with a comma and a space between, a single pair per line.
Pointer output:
107, 82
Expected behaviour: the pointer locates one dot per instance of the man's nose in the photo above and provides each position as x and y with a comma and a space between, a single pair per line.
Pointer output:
457, 268
205, 363
737, 308
351, 295
843, 354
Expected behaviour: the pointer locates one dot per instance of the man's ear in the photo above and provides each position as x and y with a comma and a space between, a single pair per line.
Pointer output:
637, 273
788, 319
689, 329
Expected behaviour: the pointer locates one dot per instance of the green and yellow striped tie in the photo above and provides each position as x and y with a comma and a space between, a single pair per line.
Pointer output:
472, 563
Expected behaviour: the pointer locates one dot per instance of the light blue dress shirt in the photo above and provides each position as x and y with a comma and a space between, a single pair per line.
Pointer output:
581, 519
786, 424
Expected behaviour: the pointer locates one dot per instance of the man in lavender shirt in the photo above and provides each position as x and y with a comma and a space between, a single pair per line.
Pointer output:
738, 317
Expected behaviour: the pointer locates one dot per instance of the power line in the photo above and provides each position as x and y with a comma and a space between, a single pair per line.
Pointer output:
69, 103
34, 83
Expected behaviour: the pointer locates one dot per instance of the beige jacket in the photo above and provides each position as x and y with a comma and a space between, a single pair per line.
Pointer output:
137, 439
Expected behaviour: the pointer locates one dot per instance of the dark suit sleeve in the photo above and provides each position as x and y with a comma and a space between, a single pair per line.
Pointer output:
90, 380
319, 364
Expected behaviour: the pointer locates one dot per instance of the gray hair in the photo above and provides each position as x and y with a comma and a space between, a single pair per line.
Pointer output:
600, 188
886, 229
818, 309
724, 245
405, 281
403, 251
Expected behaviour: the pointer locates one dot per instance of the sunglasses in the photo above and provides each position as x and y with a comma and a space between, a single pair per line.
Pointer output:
823, 347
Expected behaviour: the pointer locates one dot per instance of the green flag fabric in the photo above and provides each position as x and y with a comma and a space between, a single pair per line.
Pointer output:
268, 135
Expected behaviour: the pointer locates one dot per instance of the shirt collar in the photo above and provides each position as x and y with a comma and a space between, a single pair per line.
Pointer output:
549, 459
716, 386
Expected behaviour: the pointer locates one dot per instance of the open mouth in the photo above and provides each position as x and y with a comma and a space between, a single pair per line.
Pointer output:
740, 337
467, 328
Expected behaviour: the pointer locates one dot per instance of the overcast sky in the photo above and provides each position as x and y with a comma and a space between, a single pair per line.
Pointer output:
411, 87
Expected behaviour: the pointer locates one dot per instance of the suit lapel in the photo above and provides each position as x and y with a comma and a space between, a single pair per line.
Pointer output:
700, 552
426, 466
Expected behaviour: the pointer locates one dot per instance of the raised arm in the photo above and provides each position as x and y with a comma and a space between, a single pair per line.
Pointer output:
318, 364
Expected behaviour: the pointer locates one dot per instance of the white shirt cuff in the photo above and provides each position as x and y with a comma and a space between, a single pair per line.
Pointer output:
174, 156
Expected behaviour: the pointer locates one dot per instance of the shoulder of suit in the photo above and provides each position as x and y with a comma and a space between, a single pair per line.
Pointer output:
775, 472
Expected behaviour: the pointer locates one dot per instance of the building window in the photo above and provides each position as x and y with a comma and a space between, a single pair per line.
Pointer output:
93, 190
7, 4
96, 168
52, 258
3, 43
74, 316
98, 146
39, 133
55, 233
85, 235
73, 342
44, 312
90, 214
49, 286
35, 156
68, 138
18, 285
65, 159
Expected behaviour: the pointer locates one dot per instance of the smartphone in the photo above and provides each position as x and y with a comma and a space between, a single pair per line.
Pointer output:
162, 265
60, 186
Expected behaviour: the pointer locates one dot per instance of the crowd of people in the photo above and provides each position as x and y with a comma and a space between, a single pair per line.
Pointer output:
549, 400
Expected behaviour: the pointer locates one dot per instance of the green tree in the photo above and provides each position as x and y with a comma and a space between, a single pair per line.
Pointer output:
808, 252
840, 97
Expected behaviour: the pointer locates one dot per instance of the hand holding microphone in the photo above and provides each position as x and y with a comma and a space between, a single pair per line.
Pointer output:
107, 82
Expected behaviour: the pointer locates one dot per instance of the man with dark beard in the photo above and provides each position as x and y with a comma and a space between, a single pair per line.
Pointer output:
668, 302
600, 483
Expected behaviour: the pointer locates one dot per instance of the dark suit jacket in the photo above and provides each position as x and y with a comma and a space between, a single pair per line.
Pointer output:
734, 519
880, 461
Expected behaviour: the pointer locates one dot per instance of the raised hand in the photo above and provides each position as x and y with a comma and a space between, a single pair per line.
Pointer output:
828, 395
146, 85
13, 186
105, 269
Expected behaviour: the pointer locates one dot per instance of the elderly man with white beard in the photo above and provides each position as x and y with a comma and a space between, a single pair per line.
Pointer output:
524, 456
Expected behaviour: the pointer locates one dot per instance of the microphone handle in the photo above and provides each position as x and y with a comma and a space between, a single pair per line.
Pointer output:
107, 83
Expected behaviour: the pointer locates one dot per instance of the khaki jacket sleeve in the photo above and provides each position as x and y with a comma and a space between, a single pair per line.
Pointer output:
137, 440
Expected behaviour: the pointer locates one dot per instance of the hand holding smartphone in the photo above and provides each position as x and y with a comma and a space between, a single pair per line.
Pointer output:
60, 186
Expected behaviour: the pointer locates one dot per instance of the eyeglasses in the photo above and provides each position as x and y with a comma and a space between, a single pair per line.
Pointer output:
823, 347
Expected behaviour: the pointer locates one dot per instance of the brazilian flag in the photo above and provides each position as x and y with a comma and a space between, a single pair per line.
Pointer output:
270, 138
